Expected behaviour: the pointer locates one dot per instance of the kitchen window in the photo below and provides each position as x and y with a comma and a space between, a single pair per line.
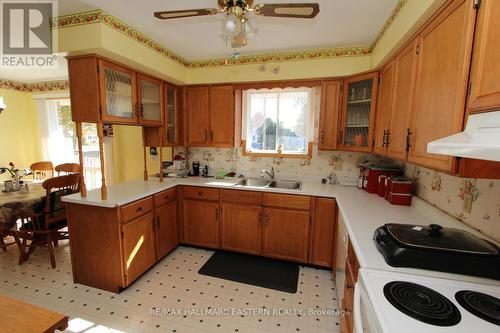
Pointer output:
277, 122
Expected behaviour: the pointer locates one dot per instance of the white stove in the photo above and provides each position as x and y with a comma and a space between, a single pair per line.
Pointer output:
389, 302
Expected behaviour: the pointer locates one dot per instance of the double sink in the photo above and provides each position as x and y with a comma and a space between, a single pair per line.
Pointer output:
270, 183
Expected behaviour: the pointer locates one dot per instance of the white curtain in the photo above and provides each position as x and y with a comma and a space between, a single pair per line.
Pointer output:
55, 146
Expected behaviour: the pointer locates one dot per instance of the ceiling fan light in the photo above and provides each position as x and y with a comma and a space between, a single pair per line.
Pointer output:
232, 25
250, 31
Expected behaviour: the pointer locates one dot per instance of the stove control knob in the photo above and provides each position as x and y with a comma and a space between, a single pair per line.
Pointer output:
435, 230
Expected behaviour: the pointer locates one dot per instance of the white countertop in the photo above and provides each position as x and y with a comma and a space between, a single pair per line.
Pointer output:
362, 212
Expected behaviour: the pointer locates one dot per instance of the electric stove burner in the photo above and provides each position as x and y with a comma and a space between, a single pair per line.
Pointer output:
484, 306
422, 303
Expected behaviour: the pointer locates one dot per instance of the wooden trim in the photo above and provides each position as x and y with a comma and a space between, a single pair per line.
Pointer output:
100, 135
83, 187
278, 84
145, 154
276, 155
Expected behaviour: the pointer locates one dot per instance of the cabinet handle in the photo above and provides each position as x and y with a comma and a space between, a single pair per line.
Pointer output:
211, 135
267, 220
141, 108
139, 209
322, 137
384, 140
388, 137
216, 214
136, 107
340, 138
206, 135
259, 219
158, 222
409, 133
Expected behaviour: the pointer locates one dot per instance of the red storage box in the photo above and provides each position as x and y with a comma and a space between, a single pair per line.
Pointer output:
399, 191
371, 172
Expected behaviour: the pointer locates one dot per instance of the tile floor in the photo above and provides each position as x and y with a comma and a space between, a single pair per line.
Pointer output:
171, 297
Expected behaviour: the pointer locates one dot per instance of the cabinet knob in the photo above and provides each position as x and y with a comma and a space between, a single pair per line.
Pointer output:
139, 209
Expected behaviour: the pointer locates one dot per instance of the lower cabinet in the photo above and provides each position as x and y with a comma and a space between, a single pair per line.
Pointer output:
351, 276
241, 228
166, 229
324, 232
201, 222
138, 246
286, 234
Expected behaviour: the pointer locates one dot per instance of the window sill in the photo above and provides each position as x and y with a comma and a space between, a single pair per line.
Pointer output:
306, 155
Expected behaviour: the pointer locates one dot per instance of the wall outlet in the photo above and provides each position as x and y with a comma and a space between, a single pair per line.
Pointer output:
467, 205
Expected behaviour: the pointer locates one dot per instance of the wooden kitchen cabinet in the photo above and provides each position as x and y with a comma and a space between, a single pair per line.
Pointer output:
222, 114
197, 115
329, 115
484, 90
150, 100
213, 116
323, 232
166, 229
286, 234
405, 65
102, 90
384, 108
242, 228
201, 222
358, 112
444, 51
138, 246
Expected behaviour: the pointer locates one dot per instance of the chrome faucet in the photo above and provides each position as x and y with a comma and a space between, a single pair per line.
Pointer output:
270, 174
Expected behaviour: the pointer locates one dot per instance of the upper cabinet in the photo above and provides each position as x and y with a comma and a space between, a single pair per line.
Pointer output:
358, 112
151, 101
443, 57
484, 90
104, 91
397, 138
213, 116
384, 108
329, 116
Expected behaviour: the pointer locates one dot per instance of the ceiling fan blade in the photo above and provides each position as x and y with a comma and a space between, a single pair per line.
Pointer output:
297, 10
185, 13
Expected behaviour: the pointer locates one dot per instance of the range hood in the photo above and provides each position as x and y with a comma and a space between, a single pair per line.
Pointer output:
480, 139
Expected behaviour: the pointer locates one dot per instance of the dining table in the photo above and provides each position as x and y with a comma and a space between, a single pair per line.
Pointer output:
12, 203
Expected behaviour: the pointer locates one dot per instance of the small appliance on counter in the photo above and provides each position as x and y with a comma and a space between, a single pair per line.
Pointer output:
436, 248
196, 168
370, 172
180, 164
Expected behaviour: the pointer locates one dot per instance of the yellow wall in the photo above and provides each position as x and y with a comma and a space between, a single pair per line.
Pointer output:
411, 17
128, 154
18, 130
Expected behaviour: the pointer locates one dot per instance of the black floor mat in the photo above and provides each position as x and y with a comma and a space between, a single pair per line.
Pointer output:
257, 271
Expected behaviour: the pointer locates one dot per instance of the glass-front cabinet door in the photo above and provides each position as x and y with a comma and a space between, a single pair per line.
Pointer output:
118, 93
170, 115
358, 111
150, 93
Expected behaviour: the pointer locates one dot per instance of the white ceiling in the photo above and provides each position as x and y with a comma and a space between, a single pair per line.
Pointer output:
340, 23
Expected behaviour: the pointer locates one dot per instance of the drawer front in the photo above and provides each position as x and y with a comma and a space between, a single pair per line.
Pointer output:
239, 196
201, 193
299, 202
137, 208
165, 197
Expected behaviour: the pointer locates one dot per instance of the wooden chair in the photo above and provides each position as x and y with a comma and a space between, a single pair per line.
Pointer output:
43, 228
42, 170
67, 168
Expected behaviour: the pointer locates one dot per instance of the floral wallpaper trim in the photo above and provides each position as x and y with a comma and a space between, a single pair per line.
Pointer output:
61, 85
100, 16
395, 12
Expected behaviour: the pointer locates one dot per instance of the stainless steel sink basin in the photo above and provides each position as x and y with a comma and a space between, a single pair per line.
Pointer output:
269, 183
251, 182
286, 184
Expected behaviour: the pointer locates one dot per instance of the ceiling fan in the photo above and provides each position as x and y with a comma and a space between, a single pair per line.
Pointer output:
237, 29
